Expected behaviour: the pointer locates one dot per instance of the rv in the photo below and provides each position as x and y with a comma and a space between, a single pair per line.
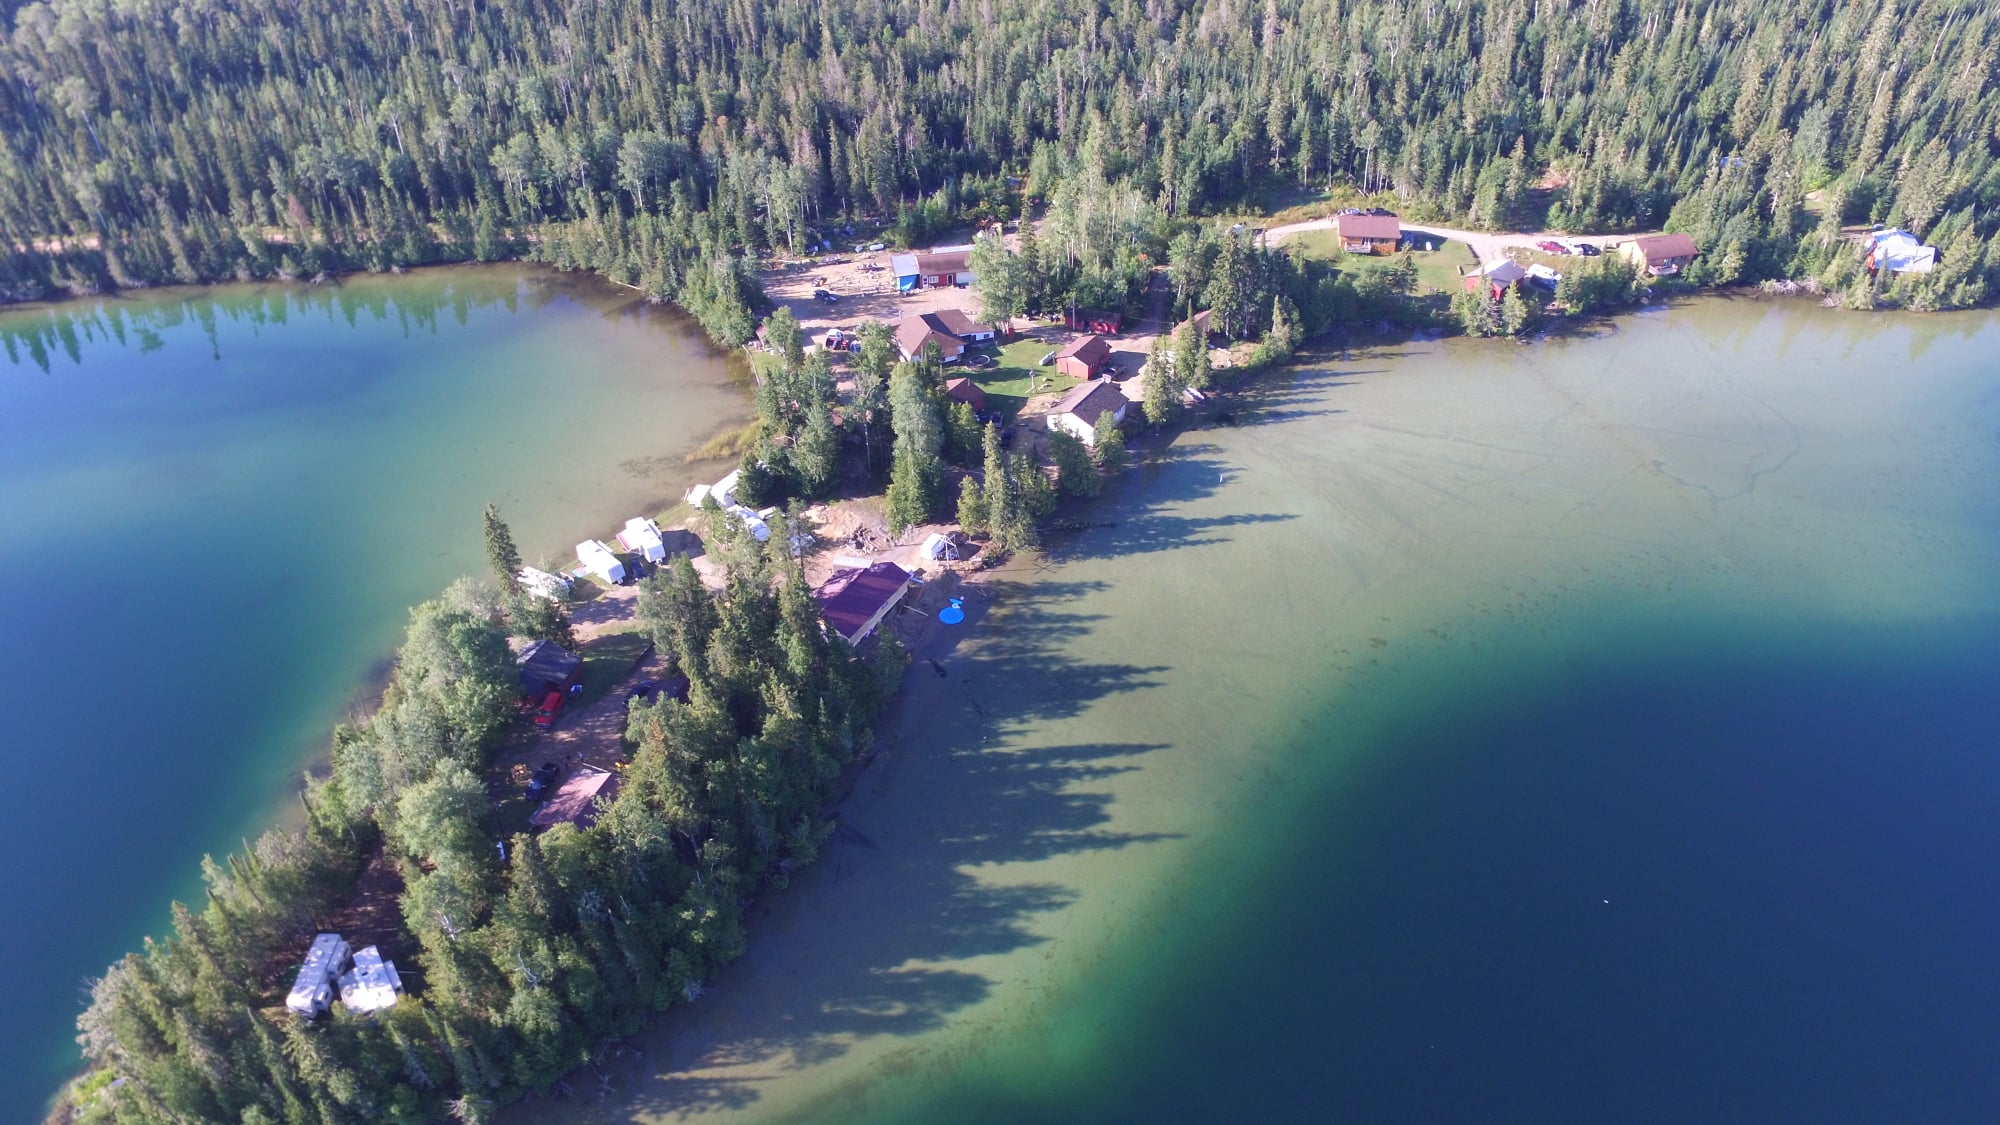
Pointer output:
598, 560
312, 992
752, 520
372, 985
642, 537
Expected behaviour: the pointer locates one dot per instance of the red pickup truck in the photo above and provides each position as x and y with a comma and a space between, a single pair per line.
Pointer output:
545, 715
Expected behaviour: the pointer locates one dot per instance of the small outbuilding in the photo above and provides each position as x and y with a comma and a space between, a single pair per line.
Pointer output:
545, 666
1084, 357
903, 267
576, 800
1660, 255
1077, 412
945, 266
966, 391
856, 600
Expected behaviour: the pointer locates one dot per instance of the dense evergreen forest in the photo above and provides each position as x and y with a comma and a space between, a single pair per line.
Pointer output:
665, 144
669, 146
532, 958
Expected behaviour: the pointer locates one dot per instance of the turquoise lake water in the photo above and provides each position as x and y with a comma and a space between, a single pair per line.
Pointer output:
1602, 729
1594, 730
1708, 875
216, 508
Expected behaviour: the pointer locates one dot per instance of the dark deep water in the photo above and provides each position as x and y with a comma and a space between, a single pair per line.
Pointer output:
1795, 831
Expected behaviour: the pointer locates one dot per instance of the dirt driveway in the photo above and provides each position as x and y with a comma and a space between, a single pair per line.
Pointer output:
864, 295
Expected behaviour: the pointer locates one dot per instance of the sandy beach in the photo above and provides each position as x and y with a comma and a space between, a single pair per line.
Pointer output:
1125, 711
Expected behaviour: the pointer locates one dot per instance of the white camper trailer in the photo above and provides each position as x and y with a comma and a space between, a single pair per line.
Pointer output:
642, 537
600, 561
312, 992
751, 520
372, 984
724, 490
542, 584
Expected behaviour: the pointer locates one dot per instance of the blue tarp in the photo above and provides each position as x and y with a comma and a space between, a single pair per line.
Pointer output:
906, 284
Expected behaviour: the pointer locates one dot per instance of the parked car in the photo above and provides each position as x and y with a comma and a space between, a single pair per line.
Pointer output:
545, 776
823, 295
1551, 246
1588, 250
552, 705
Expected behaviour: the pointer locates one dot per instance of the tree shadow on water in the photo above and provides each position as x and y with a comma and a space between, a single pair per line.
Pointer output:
927, 872
1144, 519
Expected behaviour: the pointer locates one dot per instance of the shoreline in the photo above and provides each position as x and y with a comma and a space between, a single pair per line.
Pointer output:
868, 979
898, 717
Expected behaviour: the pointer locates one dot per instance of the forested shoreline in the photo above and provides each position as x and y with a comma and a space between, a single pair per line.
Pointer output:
671, 147
666, 146
537, 955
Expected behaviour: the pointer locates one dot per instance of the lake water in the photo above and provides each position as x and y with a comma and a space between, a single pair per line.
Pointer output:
1600, 729
216, 507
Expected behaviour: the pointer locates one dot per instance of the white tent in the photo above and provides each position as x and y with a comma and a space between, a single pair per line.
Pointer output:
938, 546
1898, 251
599, 560
642, 537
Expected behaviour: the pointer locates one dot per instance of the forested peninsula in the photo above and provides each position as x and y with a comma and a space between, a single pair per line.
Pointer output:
675, 148
667, 145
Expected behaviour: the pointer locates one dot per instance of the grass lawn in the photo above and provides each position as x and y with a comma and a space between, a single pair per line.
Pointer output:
606, 659
1016, 374
1323, 245
1437, 270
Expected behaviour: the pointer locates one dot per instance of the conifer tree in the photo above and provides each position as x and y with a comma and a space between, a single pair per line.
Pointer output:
500, 551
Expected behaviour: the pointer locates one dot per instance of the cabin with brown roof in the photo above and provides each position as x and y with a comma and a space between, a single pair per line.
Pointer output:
856, 600
913, 332
1077, 412
966, 391
950, 328
576, 801
1083, 357
956, 322
1369, 234
1660, 255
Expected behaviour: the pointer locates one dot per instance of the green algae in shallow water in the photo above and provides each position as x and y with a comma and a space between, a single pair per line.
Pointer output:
219, 505
1103, 871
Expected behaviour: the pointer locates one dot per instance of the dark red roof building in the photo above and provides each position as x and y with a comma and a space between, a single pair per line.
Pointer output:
855, 601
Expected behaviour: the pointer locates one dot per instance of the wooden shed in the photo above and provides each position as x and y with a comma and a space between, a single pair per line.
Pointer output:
1083, 357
